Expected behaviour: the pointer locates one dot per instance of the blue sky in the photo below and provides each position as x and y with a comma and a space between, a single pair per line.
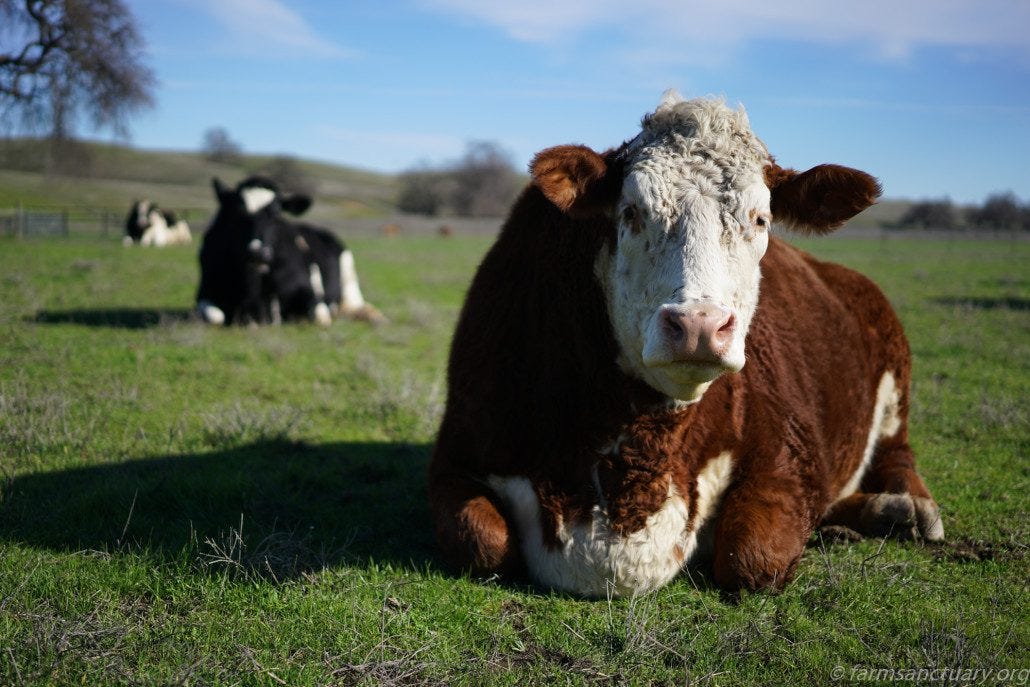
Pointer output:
931, 96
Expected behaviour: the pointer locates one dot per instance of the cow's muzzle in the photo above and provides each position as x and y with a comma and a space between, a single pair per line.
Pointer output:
698, 333
260, 254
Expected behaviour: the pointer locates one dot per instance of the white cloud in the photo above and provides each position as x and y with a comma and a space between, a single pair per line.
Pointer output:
264, 26
535, 21
707, 31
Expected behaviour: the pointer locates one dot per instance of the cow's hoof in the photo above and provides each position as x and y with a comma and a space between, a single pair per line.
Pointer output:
928, 519
210, 313
322, 315
902, 516
367, 313
890, 515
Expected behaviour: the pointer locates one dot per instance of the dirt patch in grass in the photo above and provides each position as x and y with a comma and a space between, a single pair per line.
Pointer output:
968, 550
964, 550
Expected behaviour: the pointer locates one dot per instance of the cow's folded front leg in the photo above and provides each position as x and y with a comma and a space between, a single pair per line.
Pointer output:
759, 537
472, 531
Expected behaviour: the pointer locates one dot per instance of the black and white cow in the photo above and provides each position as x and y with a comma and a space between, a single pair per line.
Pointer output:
149, 225
257, 266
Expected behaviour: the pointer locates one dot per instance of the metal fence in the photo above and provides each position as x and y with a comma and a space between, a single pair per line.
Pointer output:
34, 223
64, 221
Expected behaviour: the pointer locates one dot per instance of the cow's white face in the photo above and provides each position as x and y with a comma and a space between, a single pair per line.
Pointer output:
682, 279
143, 210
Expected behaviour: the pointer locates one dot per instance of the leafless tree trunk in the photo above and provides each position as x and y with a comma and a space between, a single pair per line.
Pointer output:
60, 59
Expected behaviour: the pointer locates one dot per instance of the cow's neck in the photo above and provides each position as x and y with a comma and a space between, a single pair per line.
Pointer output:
609, 400
537, 323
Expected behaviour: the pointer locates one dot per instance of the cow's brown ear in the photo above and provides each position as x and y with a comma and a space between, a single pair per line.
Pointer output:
821, 199
575, 178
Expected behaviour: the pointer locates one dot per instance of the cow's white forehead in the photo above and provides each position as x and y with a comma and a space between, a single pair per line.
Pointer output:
255, 198
698, 144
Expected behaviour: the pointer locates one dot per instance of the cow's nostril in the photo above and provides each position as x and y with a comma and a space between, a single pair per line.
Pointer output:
672, 324
729, 325
722, 337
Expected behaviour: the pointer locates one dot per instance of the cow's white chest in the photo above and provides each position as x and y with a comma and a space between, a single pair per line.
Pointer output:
592, 560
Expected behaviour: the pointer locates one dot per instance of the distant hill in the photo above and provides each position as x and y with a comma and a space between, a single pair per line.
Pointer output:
885, 213
109, 177
112, 176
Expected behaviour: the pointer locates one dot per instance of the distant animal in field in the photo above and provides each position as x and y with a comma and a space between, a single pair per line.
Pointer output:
258, 267
149, 225
643, 378
391, 230
445, 231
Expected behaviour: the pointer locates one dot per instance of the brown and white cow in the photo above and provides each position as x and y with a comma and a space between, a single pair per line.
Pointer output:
622, 402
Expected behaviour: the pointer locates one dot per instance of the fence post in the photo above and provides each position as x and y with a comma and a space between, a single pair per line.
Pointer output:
19, 220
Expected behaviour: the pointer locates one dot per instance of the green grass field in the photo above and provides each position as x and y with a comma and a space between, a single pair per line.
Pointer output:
196, 506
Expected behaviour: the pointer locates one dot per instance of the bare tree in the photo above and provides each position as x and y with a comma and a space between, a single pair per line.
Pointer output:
288, 173
482, 183
63, 58
423, 191
999, 211
217, 146
485, 181
931, 214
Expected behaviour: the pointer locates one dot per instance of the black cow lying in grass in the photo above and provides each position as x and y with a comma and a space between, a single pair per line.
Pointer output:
256, 266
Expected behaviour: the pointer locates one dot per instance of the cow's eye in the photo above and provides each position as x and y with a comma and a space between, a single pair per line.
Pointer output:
631, 218
763, 222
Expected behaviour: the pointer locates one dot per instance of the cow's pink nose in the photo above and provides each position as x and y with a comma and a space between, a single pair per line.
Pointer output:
698, 333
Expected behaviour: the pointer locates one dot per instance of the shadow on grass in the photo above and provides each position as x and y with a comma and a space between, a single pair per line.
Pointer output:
1009, 303
274, 509
116, 318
